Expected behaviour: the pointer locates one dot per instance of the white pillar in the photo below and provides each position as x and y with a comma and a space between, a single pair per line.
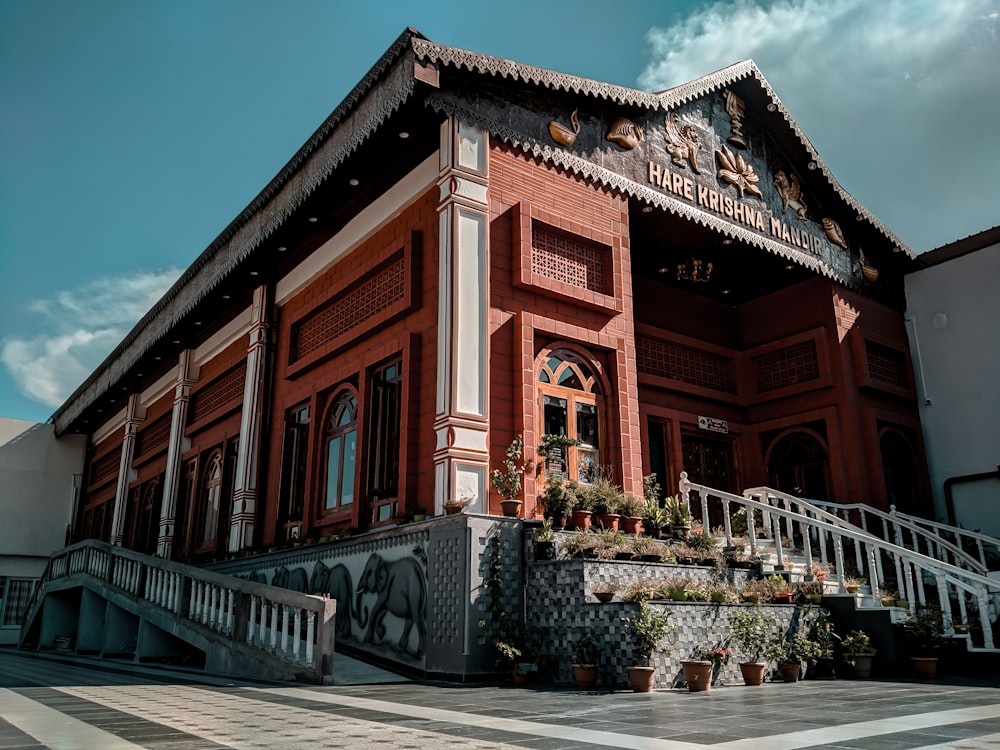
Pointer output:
245, 482
133, 418
461, 425
176, 446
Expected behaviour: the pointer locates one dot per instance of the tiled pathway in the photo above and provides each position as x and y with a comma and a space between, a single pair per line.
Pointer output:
47, 704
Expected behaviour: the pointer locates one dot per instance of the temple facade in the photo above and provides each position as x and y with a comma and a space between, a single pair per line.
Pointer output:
470, 249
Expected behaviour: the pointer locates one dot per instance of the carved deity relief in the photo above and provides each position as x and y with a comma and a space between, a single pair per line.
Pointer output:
736, 109
736, 170
563, 135
683, 142
625, 133
834, 232
791, 194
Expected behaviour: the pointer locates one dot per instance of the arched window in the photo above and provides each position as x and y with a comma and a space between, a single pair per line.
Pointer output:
341, 452
211, 496
570, 404
798, 465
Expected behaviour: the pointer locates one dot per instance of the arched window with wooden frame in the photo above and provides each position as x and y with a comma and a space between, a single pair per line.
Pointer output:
341, 443
211, 499
570, 403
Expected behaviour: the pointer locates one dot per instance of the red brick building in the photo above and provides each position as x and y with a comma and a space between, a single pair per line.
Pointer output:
469, 249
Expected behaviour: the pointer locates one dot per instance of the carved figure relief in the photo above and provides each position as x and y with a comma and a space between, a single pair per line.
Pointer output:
834, 232
736, 170
736, 109
683, 142
625, 133
401, 591
563, 135
791, 194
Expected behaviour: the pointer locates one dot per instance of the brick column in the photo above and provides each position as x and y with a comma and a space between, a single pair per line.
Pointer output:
248, 452
133, 418
176, 446
461, 424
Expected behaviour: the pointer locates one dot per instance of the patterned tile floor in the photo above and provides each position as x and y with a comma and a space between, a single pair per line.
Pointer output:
45, 703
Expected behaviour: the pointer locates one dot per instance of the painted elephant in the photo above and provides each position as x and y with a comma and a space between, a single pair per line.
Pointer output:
294, 579
401, 590
335, 582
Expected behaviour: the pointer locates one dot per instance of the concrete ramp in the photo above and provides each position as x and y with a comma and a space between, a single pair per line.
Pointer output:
103, 600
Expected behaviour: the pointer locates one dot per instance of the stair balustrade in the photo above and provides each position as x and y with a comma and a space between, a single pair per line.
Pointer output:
786, 518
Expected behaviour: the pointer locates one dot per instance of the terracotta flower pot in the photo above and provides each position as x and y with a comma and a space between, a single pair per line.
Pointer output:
641, 679
698, 675
753, 672
631, 524
585, 676
510, 508
608, 521
581, 520
926, 667
789, 672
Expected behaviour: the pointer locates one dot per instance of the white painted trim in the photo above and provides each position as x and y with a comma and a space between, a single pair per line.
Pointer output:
160, 388
235, 329
389, 205
104, 431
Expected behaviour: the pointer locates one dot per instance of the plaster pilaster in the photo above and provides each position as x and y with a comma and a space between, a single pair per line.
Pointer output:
175, 447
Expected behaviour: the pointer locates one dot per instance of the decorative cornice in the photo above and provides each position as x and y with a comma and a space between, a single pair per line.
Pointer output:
386, 87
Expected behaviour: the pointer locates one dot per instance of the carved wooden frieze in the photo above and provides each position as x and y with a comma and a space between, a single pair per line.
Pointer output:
625, 133
791, 194
683, 142
736, 110
736, 170
563, 135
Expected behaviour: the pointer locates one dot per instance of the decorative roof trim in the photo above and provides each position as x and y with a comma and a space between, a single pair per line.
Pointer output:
350, 125
606, 177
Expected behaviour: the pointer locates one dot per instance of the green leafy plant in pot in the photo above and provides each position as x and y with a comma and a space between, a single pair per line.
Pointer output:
858, 651
751, 631
648, 630
585, 665
558, 499
924, 632
507, 481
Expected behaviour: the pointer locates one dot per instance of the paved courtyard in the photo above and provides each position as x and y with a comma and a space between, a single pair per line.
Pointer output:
45, 703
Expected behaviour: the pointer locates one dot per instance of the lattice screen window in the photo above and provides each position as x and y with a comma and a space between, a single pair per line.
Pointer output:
217, 394
348, 311
568, 259
105, 467
692, 366
152, 438
887, 365
786, 367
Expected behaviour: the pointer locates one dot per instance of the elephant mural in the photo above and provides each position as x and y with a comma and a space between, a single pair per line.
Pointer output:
294, 579
401, 590
335, 582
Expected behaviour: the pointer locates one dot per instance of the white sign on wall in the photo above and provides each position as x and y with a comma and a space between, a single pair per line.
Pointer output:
713, 425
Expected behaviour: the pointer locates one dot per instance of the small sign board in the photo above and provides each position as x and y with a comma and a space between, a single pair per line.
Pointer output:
713, 425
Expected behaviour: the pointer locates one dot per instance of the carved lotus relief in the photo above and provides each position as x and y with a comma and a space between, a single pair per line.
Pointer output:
683, 142
736, 170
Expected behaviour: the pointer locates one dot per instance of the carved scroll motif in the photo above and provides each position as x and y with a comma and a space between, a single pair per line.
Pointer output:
625, 133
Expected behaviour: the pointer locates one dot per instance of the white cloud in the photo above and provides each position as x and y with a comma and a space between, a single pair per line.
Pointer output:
82, 326
898, 96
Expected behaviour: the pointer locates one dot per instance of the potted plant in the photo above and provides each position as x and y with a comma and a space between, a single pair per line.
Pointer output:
631, 510
585, 666
821, 635
925, 633
552, 449
858, 652
648, 630
607, 499
507, 481
752, 631
851, 585
545, 541
647, 549
604, 591
756, 590
583, 507
516, 643
558, 500
789, 651
419, 514
700, 671
680, 516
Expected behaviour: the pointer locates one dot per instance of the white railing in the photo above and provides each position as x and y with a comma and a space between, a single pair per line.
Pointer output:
788, 519
296, 629
987, 548
905, 531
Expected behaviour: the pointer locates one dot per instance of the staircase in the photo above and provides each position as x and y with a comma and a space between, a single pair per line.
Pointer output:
95, 598
928, 563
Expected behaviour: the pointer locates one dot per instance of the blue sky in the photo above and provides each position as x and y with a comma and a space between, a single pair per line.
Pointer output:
132, 133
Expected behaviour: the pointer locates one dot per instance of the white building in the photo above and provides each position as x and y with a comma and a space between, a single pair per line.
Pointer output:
953, 317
